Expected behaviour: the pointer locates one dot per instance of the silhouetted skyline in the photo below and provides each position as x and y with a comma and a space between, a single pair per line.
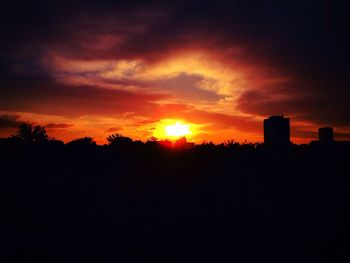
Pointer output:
130, 201
276, 134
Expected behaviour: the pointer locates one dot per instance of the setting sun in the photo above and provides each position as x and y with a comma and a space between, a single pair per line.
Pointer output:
172, 129
177, 129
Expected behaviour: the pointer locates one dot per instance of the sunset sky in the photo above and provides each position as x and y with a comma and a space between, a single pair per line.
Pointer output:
85, 68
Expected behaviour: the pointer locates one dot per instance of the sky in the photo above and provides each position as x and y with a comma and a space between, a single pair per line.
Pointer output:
93, 68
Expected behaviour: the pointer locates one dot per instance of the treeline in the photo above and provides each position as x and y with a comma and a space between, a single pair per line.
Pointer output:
132, 201
37, 135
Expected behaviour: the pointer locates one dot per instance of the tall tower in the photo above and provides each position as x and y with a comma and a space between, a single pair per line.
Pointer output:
325, 135
277, 131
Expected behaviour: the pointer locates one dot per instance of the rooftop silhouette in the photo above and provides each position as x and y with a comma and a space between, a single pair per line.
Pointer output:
277, 131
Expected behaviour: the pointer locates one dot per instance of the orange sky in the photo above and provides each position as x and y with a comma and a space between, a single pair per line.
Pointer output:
197, 87
133, 70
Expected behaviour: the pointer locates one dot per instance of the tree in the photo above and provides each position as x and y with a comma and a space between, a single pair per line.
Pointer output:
29, 134
81, 142
118, 139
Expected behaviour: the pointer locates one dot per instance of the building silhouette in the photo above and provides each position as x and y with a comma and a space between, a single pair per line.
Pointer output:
325, 135
277, 131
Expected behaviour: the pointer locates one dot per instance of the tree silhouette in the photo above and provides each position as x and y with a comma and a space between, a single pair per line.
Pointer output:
118, 139
85, 141
34, 135
104, 193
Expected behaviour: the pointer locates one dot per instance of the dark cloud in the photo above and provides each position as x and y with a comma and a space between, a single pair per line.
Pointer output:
52, 126
185, 86
41, 94
114, 129
9, 121
320, 110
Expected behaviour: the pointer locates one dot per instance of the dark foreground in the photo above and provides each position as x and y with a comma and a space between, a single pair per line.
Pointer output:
142, 203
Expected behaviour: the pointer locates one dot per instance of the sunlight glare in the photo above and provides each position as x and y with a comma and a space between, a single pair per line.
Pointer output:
177, 129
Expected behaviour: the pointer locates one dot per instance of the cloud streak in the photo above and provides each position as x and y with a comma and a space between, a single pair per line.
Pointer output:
9, 121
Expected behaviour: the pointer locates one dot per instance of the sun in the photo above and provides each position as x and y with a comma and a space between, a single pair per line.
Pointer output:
177, 130
173, 129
